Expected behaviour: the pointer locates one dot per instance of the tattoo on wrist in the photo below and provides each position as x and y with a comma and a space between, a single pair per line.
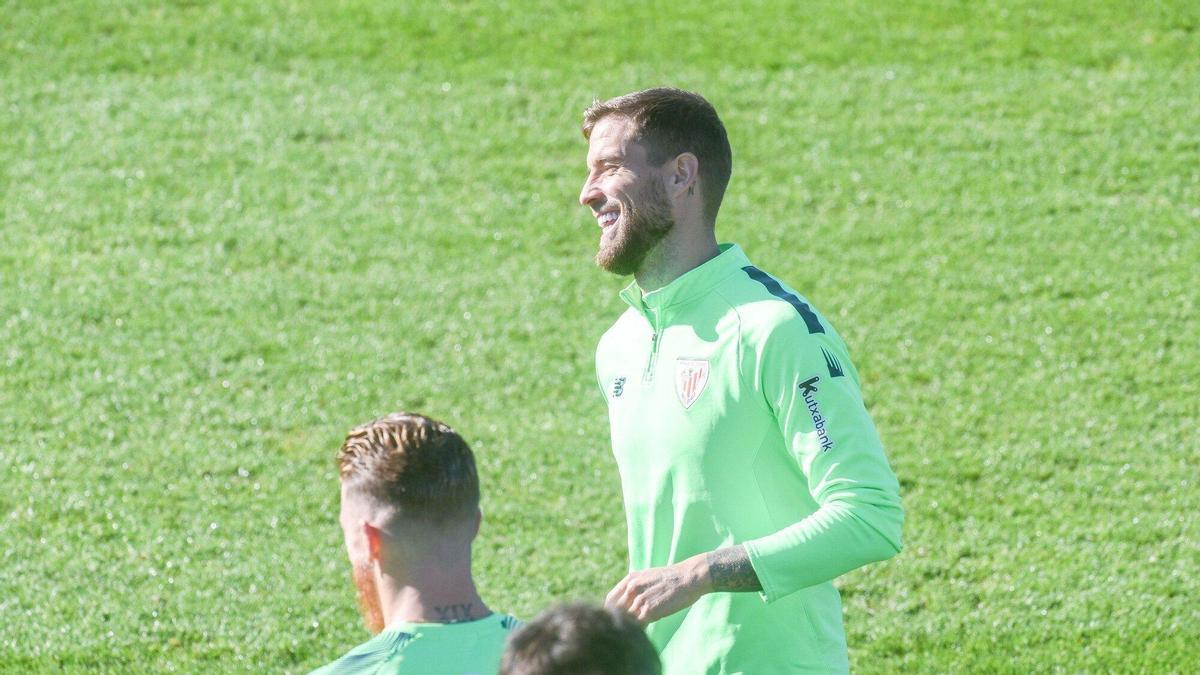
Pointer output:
454, 613
730, 570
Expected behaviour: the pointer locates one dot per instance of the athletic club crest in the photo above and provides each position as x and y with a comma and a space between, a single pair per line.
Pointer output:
690, 377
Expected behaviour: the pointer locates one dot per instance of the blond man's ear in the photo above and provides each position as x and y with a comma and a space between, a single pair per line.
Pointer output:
374, 541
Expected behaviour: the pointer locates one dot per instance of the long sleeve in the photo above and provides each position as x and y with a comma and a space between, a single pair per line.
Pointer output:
812, 388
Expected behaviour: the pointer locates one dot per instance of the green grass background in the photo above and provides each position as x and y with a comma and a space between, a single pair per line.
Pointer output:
233, 230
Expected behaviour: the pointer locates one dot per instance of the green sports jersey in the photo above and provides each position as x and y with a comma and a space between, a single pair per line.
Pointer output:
736, 418
468, 648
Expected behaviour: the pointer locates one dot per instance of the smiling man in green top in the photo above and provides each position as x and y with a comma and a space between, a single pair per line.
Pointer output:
751, 471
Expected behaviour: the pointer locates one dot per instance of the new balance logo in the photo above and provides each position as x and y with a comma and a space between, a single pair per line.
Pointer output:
835, 366
618, 387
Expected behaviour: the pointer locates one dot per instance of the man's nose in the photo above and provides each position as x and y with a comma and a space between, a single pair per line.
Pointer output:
590, 194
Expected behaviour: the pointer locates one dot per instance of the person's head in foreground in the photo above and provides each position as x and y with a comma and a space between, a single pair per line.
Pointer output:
409, 514
578, 639
658, 164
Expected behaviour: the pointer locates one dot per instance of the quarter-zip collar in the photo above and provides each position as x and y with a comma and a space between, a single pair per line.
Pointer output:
661, 305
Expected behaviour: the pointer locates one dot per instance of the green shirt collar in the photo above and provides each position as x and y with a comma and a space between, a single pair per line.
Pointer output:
691, 285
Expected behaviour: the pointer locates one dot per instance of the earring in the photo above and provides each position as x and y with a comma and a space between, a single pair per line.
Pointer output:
692, 189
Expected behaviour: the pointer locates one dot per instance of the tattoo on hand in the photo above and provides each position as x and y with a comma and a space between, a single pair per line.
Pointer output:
454, 613
730, 570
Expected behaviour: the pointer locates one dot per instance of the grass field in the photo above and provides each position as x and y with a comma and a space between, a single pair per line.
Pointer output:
231, 231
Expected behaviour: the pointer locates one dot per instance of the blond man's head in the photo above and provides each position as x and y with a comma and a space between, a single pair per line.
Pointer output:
410, 501
411, 465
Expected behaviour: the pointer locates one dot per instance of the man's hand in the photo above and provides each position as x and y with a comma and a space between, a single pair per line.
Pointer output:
649, 595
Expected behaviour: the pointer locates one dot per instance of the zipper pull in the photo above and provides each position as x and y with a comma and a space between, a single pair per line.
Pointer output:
646, 376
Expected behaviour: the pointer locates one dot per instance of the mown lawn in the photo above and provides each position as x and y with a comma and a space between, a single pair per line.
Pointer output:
233, 230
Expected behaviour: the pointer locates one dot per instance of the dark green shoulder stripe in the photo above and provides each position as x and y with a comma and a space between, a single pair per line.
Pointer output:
401, 642
773, 287
368, 656
831, 361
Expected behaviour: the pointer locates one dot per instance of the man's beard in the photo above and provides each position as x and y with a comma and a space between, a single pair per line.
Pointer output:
644, 227
368, 598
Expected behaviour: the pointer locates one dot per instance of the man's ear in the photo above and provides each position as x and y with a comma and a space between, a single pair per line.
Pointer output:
478, 522
685, 174
374, 541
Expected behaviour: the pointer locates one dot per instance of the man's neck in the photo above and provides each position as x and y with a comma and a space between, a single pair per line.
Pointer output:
672, 258
436, 597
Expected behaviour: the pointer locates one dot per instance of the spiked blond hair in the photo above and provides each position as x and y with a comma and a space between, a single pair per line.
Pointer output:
415, 464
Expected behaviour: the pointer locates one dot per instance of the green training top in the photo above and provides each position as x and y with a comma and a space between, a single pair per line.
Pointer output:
736, 418
467, 648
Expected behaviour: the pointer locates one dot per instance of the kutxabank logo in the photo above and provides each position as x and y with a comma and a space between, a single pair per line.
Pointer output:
807, 389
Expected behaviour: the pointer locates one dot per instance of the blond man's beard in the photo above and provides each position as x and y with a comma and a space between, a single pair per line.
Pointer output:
368, 598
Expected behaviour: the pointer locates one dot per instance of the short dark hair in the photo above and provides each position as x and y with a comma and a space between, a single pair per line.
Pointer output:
579, 639
669, 122
413, 463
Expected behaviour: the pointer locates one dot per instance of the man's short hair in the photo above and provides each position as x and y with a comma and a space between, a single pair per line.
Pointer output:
415, 464
578, 639
669, 122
